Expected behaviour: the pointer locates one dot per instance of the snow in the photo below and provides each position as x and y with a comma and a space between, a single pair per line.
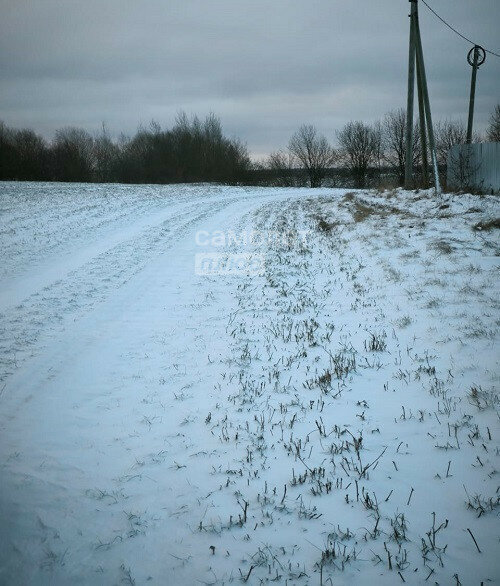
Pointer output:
302, 424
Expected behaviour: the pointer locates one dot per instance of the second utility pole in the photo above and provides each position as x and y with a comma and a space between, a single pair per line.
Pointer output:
476, 57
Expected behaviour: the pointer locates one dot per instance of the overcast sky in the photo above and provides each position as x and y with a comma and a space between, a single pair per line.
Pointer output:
263, 66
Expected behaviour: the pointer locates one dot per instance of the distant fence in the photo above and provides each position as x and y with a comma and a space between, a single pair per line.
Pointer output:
474, 167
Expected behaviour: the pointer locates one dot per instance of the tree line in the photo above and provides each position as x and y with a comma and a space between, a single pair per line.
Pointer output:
194, 150
365, 154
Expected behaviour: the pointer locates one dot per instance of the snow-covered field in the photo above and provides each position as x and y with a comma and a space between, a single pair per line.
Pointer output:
330, 419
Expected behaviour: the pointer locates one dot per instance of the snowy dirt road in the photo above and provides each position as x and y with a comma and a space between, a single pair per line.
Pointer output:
329, 419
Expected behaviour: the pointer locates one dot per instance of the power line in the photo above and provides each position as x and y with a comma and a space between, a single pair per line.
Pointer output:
455, 30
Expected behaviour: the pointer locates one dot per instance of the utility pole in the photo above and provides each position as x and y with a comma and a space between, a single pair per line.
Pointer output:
423, 138
409, 105
427, 107
416, 54
475, 58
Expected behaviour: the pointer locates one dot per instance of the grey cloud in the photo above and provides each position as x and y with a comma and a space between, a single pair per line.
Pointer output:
263, 66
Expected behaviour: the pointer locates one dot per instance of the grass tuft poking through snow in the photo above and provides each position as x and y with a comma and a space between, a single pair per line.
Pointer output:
329, 419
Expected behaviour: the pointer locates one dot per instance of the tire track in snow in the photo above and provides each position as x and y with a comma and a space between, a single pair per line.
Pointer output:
62, 226
44, 312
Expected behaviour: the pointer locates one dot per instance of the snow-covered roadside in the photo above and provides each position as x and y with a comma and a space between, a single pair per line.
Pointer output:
294, 426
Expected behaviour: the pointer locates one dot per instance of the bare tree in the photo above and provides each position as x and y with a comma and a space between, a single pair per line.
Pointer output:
8, 154
73, 155
31, 154
449, 133
23, 154
105, 154
281, 164
378, 157
494, 127
359, 144
394, 140
313, 152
